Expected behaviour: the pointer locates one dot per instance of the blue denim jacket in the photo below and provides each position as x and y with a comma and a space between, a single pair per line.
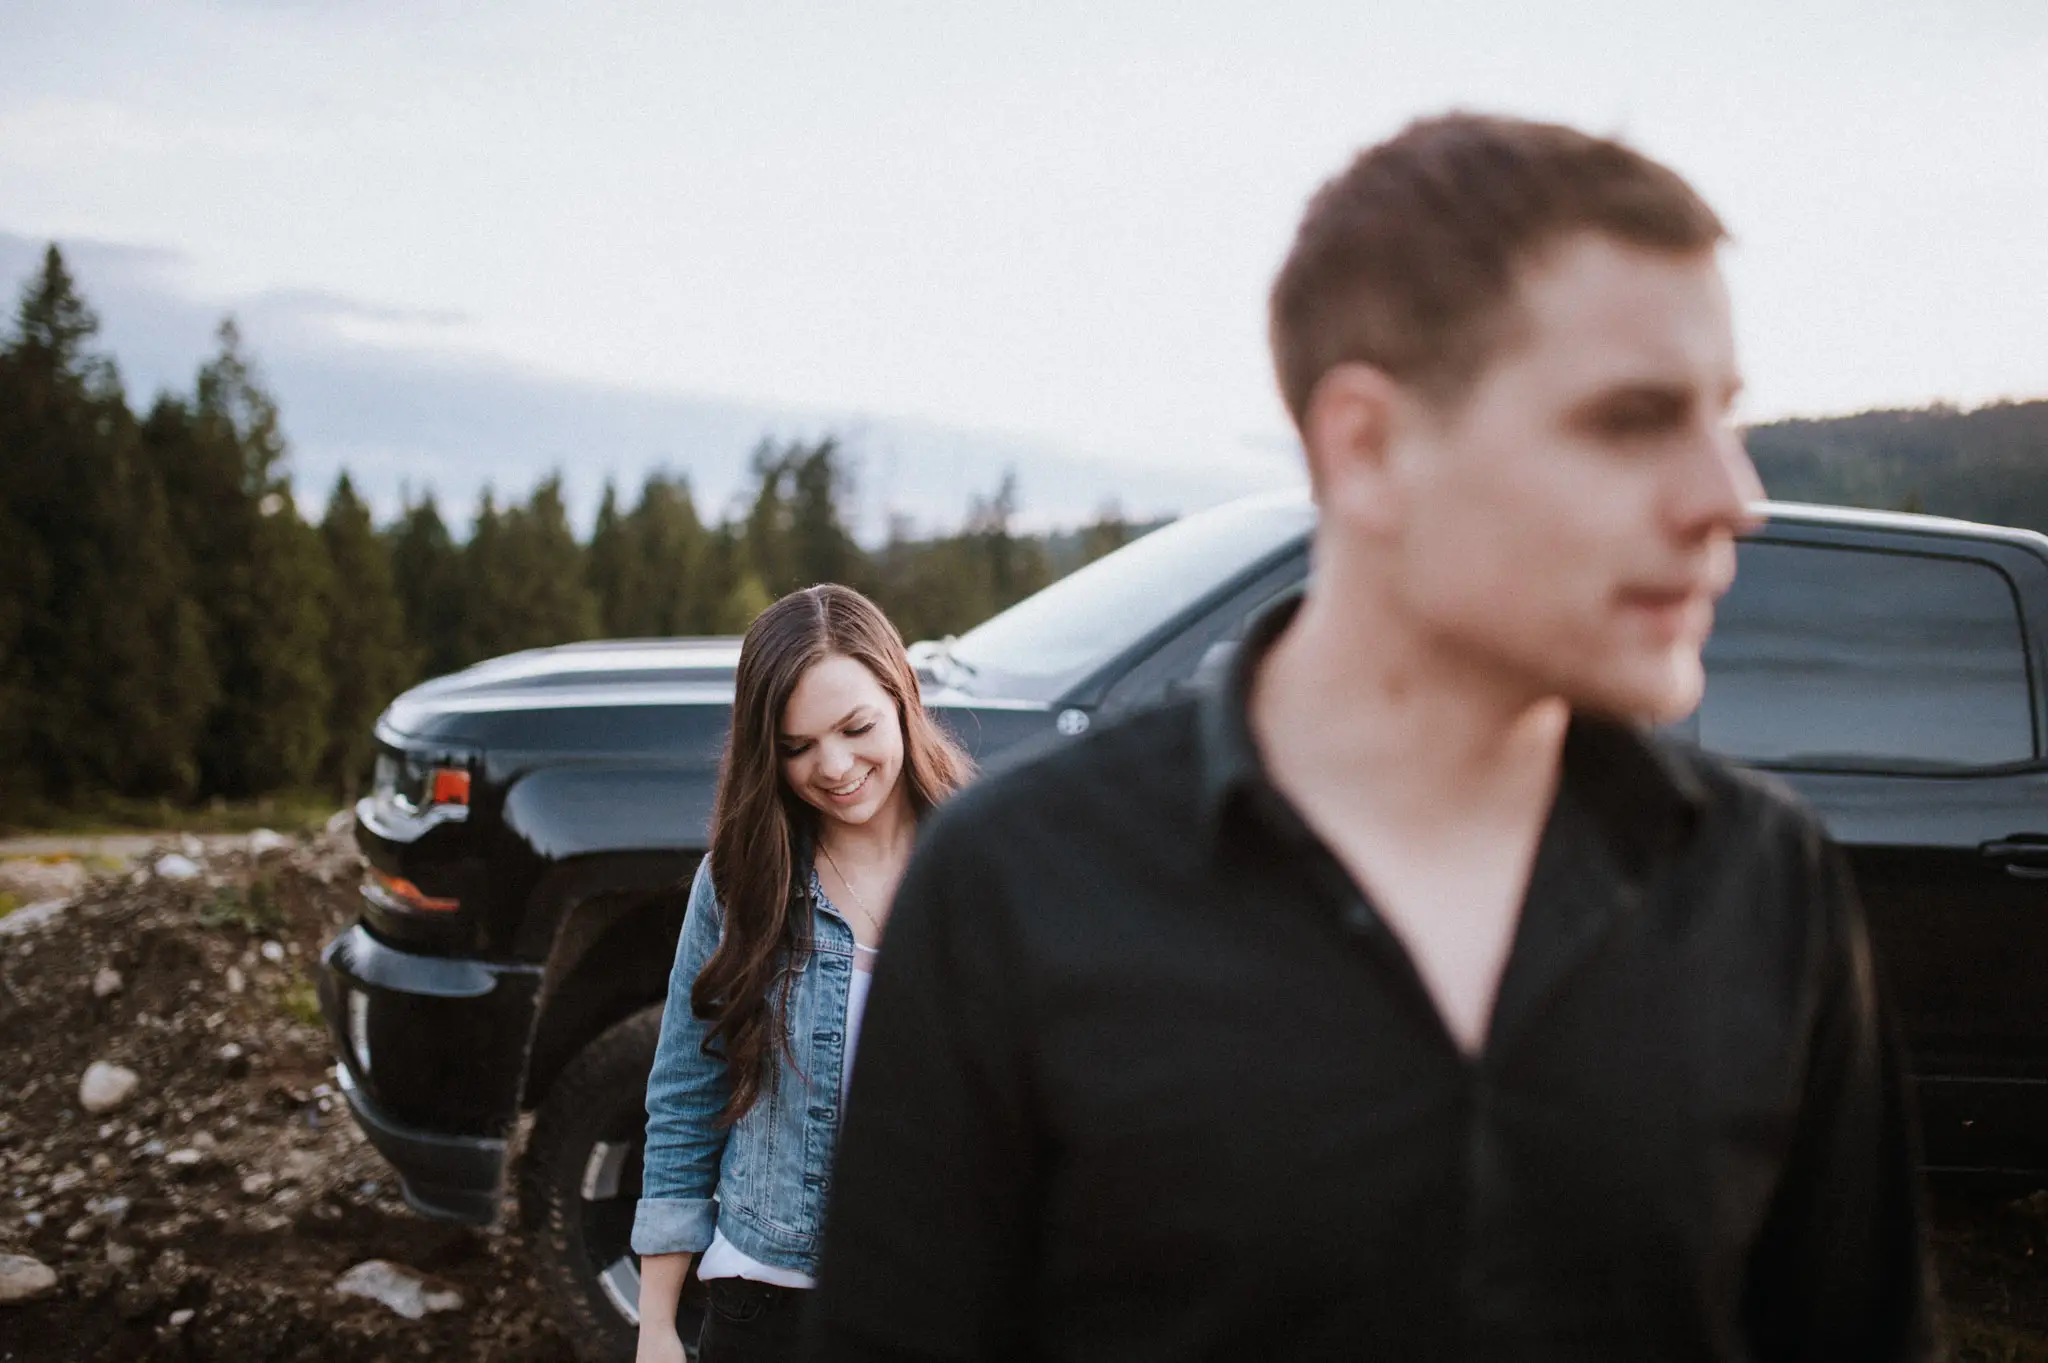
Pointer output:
763, 1180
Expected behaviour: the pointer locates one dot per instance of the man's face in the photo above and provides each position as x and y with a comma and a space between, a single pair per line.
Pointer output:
1570, 523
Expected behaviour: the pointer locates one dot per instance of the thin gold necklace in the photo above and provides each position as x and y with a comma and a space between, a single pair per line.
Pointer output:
858, 902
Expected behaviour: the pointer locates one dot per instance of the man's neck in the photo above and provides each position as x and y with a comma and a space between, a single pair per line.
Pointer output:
1351, 696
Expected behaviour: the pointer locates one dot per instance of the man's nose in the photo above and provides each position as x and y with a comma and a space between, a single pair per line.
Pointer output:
1717, 485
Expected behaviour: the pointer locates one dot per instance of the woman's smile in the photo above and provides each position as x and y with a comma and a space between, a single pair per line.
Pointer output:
851, 792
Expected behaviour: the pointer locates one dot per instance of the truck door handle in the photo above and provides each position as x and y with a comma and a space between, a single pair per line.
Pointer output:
2025, 855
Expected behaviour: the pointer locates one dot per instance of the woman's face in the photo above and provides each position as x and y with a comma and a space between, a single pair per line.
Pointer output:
841, 741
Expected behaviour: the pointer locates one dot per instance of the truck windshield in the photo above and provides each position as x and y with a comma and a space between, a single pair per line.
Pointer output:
1054, 638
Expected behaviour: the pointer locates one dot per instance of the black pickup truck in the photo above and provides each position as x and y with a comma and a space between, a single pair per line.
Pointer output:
536, 819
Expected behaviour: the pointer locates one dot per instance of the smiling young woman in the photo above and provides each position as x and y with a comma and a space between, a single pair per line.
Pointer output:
831, 762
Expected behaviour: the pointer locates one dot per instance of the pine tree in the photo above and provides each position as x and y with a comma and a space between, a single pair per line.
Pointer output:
1013, 566
524, 576
665, 592
747, 599
102, 675
486, 610
261, 571
426, 566
766, 534
367, 658
556, 607
713, 598
1106, 534
822, 548
608, 566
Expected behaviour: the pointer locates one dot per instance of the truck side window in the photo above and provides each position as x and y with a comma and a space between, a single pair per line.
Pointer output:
1861, 659
1175, 661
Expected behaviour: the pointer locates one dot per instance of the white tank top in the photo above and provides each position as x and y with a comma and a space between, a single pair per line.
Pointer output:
722, 1259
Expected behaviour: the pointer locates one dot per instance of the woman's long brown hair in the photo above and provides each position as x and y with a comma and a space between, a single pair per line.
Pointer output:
762, 831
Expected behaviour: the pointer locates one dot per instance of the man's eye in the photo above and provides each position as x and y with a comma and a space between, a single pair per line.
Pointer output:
1645, 416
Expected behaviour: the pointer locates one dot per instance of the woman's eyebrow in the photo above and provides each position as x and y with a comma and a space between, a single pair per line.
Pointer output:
844, 720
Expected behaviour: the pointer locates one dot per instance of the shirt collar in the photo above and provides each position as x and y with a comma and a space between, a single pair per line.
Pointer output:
1645, 794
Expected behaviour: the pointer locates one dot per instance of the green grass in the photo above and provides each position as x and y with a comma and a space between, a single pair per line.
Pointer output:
256, 910
288, 812
8, 903
302, 1003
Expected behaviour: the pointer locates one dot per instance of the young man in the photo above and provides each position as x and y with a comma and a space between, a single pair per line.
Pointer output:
1401, 997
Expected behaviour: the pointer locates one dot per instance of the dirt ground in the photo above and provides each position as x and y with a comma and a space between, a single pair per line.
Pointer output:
210, 1215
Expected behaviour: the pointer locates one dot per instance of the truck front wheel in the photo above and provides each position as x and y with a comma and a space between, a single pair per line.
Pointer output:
578, 1182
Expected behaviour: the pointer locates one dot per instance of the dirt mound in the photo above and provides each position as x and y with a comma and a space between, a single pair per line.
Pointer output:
209, 1211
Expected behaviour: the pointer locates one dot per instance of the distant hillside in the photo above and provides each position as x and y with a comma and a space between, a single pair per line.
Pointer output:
1990, 464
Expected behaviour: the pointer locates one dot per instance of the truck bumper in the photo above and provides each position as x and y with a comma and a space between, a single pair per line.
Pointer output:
432, 1052
451, 1178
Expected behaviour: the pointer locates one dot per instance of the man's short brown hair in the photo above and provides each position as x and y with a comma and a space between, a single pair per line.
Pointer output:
1409, 259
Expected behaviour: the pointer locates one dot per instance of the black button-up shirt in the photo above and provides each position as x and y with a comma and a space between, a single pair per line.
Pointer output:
1145, 1077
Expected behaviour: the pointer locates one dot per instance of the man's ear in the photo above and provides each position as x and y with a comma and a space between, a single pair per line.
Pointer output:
1347, 433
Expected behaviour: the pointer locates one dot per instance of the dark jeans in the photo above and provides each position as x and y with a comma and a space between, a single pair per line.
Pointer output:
749, 1322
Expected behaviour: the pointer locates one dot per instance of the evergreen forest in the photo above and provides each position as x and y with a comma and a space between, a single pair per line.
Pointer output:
174, 632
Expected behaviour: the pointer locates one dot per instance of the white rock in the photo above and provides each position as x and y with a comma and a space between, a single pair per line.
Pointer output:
230, 1052
172, 866
273, 952
106, 983
30, 879
120, 1255
182, 1317
398, 1287
185, 1158
237, 982
25, 1279
106, 1086
264, 840
258, 1184
302, 1166
191, 846
22, 921
111, 1210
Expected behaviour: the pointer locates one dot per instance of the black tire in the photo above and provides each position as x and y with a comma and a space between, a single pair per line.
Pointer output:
578, 1181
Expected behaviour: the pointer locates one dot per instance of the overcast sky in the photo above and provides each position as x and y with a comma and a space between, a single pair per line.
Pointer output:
475, 241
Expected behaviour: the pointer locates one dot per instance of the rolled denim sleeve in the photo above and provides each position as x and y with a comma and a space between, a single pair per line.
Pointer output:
686, 1091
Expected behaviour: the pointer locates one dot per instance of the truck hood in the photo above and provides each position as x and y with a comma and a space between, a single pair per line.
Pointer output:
603, 674
644, 700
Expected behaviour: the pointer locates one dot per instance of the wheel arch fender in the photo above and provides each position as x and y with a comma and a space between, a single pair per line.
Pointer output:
616, 918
